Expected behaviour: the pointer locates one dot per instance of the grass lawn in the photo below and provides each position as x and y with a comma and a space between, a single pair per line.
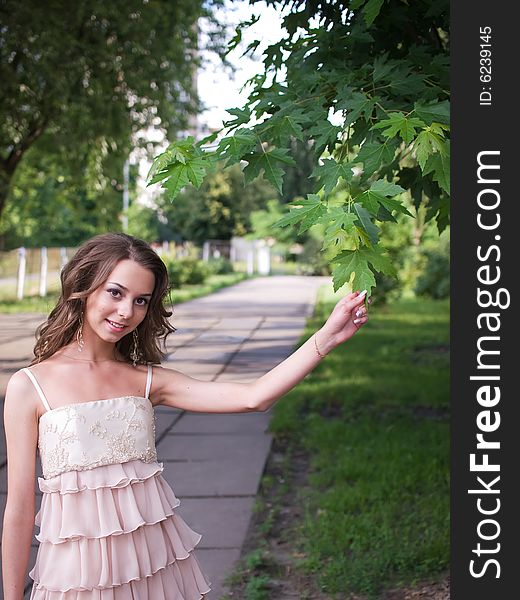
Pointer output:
188, 292
371, 511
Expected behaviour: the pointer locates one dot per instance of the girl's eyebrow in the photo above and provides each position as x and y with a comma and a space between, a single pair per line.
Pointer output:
123, 287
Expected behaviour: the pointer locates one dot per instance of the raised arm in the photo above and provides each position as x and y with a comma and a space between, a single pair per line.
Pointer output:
21, 433
172, 388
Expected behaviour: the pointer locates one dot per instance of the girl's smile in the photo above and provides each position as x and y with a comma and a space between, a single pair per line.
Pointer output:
119, 305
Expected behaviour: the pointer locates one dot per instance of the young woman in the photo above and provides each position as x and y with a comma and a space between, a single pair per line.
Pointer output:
108, 529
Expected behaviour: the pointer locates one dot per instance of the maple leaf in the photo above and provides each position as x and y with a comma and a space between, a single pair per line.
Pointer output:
383, 67
433, 111
439, 165
357, 263
351, 263
242, 116
428, 142
398, 122
235, 146
177, 180
269, 163
339, 225
329, 172
371, 10
324, 134
356, 104
374, 155
377, 197
306, 212
196, 170
386, 188
366, 223
179, 151
285, 125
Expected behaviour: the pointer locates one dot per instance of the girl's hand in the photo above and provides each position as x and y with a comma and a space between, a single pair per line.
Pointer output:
347, 317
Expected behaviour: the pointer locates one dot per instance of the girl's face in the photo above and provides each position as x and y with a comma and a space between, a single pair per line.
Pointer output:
121, 303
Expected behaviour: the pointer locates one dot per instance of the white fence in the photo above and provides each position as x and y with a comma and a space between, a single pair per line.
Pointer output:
24, 268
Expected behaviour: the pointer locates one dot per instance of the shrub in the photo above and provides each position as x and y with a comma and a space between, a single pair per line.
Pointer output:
434, 282
186, 271
220, 266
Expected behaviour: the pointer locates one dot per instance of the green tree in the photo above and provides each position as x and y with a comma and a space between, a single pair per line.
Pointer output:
93, 73
220, 209
366, 83
50, 205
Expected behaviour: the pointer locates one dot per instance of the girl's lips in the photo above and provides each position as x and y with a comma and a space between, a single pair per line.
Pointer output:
113, 327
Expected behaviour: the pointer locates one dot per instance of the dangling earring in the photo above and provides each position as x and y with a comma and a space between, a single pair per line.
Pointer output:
79, 335
135, 354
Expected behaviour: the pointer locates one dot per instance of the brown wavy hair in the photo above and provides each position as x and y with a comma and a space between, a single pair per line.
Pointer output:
83, 274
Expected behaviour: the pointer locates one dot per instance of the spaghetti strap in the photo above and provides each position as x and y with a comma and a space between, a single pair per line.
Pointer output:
148, 381
38, 388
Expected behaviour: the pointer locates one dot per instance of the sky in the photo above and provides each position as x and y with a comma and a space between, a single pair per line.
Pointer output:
217, 89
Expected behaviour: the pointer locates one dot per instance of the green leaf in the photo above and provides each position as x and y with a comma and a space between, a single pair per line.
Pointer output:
339, 225
433, 111
439, 165
269, 163
426, 143
392, 204
382, 67
196, 169
307, 212
162, 175
366, 223
405, 81
398, 122
329, 173
374, 155
374, 200
386, 188
361, 263
371, 10
288, 127
356, 104
234, 147
353, 263
242, 116
324, 135
177, 181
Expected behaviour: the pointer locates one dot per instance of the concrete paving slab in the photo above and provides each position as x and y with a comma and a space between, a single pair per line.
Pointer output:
217, 564
212, 447
222, 423
212, 516
207, 371
207, 478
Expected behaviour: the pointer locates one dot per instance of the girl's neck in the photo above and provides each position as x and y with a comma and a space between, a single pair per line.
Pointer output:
91, 355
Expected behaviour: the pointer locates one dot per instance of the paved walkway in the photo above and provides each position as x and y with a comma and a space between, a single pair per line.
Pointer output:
213, 462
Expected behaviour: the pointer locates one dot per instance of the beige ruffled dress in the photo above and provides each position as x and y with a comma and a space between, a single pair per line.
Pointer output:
107, 523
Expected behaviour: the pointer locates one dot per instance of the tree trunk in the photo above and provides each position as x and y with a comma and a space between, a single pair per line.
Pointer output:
5, 180
8, 165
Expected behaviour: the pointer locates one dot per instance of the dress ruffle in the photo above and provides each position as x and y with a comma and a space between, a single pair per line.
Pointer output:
127, 543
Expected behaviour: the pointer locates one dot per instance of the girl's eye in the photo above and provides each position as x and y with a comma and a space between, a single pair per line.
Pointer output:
113, 292
142, 301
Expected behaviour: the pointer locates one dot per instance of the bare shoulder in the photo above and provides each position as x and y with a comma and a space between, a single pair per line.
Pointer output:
19, 383
20, 397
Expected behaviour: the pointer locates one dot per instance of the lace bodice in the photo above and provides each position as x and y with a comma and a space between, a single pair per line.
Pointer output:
85, 435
